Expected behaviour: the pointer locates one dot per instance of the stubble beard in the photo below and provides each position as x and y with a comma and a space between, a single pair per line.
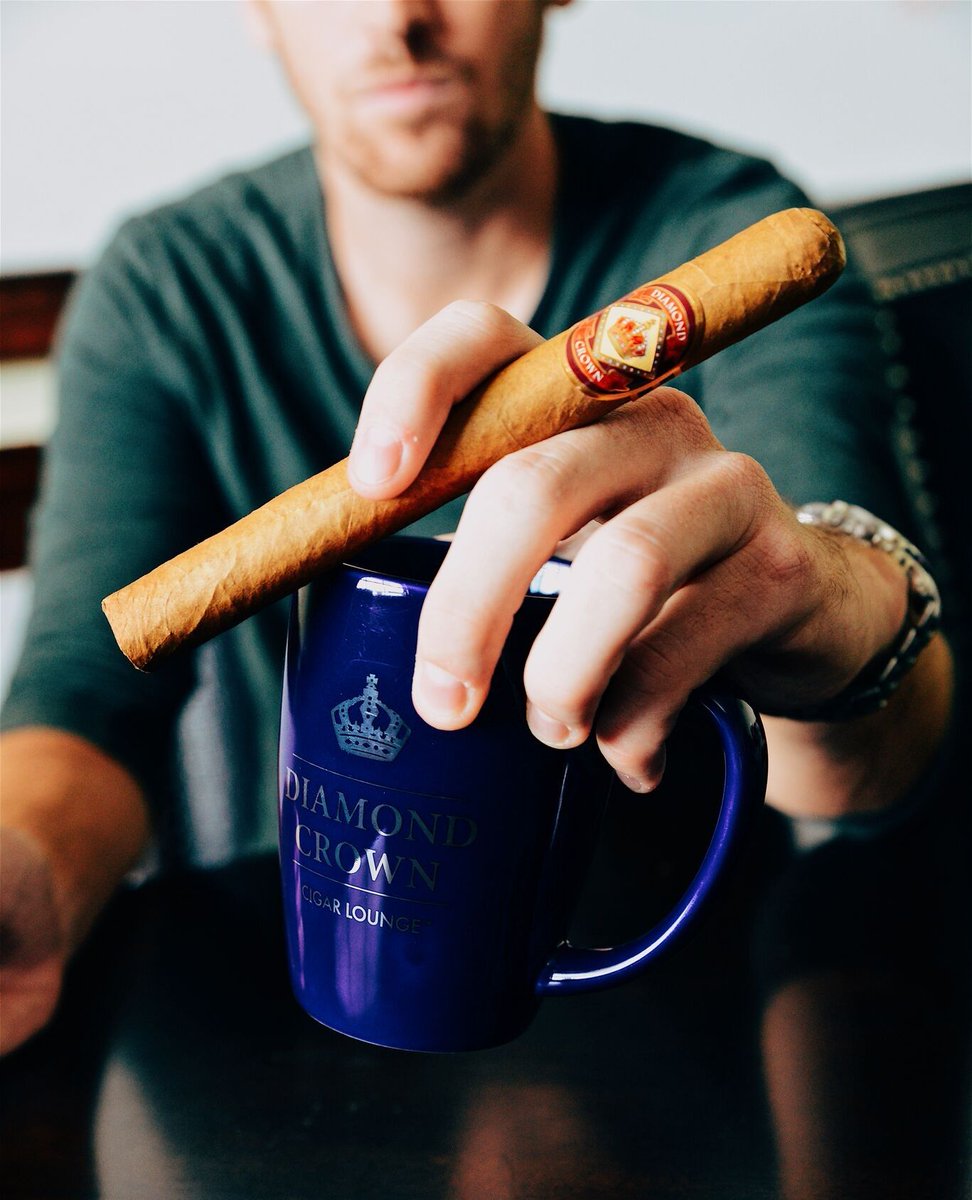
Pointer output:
440, 159
437, 166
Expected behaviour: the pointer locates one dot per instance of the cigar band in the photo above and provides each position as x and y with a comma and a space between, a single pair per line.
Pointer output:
636, 343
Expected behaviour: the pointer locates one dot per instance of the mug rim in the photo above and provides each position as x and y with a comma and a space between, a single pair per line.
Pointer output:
354, 563
415, 579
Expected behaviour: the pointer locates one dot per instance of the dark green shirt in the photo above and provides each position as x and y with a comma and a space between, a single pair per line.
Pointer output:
207, 363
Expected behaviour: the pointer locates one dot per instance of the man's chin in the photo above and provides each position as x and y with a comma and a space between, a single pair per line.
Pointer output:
435, 166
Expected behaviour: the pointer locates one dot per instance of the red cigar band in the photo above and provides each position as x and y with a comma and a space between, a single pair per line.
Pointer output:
636, 343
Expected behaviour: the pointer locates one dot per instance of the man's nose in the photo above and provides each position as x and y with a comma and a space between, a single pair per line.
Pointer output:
401, 16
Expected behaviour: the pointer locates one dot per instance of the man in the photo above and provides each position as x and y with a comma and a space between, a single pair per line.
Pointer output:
220, 350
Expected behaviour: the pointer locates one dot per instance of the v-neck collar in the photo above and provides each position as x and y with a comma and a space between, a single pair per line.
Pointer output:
334, 310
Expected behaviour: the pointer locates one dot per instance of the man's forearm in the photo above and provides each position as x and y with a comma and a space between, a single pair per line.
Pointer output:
83, 810
868, 764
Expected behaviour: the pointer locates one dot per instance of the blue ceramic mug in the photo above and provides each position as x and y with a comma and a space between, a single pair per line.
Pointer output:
429, 877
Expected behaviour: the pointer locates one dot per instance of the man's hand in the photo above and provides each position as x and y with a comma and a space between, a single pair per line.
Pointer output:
72, 823
693, 564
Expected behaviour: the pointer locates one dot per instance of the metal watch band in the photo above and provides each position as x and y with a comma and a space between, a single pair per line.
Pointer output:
872, 689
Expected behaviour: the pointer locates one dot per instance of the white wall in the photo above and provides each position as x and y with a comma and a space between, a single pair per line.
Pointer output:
109, 106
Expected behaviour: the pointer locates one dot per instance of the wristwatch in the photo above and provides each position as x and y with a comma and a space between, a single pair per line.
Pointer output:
872, 689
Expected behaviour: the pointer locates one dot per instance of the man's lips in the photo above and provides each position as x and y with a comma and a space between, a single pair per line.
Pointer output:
411, 94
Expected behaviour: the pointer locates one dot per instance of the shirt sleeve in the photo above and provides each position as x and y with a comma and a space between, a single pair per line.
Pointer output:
125, 486
807, 397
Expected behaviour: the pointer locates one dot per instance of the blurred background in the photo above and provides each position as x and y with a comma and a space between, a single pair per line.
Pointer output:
112, 106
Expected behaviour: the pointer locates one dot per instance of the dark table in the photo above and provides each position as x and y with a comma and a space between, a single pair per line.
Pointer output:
812, 1041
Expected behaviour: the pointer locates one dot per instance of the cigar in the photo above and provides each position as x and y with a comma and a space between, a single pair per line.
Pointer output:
646, 338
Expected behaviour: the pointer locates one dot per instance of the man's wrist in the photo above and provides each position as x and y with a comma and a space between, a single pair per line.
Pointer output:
84, 812
872, 688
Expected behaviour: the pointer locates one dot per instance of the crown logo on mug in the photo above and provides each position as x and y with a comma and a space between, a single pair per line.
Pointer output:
367, 727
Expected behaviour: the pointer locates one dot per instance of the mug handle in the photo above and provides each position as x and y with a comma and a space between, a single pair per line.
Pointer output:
574, 969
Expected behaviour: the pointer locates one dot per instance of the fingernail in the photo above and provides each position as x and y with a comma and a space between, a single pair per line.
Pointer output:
439, 693
377, 454
548, 729
652, 777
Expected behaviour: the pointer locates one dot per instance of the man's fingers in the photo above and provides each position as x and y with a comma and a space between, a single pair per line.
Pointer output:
416, 386
507, 531
620, 581
513, 521
696, 634
705, 625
